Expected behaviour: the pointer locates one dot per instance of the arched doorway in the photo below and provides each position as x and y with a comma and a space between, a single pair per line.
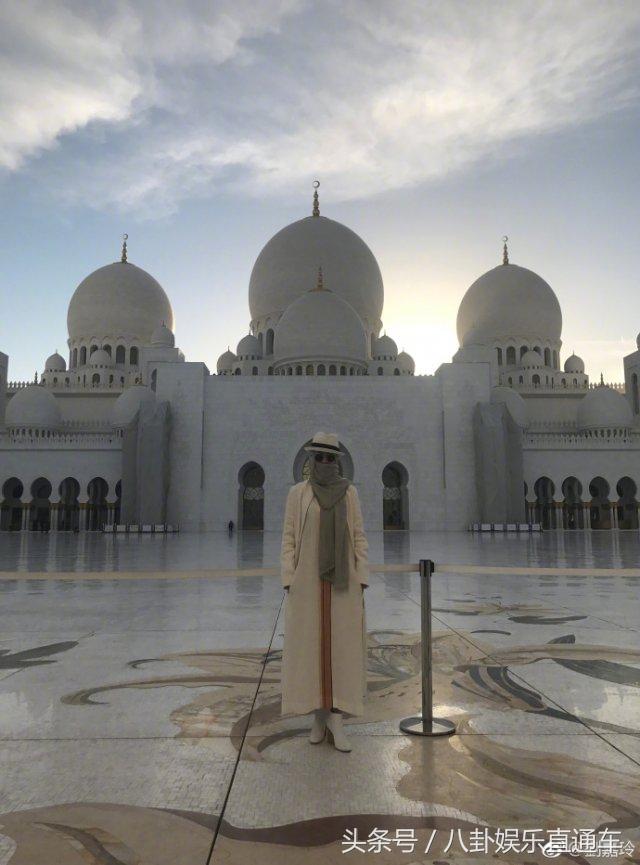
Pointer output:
544, 509
395, 496
572, 510
627, 504
11, 508
97, 507
600, 504
251, 479
118, 503
40, 506
69, 507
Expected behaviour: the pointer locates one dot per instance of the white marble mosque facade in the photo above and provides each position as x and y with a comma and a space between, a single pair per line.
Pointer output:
125, 429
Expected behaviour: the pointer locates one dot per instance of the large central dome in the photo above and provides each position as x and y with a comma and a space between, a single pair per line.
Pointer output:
289, 262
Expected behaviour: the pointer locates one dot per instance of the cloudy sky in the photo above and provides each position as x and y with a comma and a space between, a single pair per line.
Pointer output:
434, 128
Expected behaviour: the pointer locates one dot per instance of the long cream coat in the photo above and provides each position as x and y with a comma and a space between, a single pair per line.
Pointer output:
301, 679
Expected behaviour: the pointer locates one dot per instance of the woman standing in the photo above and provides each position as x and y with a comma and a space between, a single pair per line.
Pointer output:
325, 571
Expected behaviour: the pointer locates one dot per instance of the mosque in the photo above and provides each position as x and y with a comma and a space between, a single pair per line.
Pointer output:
126, 430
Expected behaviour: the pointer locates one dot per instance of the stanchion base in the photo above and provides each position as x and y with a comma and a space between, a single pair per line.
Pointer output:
435, 727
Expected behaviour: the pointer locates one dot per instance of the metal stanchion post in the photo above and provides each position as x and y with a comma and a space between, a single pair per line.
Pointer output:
426, 724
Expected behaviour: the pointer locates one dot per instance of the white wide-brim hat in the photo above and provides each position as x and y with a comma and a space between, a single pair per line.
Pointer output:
325, 443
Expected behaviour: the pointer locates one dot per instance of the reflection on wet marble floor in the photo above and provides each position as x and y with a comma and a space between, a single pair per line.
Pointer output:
140, 720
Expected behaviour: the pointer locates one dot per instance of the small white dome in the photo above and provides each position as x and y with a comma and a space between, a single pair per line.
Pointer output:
574, 364
320, 325
226, 361
531, 360
604, 408
405, 361
118, 300
288, 264
34, 407
162, 336
100, 357
509, 301
55, 363
128, 403
248, 347
385, 347
514, 403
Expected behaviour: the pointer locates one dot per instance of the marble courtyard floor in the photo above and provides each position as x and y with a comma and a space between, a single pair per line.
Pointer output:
140, 718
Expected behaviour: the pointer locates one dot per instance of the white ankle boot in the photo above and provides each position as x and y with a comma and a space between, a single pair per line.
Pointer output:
318, 728
334, 724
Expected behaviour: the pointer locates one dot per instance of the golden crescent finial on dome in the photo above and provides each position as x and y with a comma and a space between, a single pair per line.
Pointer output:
316, 202
125, 237
505, 251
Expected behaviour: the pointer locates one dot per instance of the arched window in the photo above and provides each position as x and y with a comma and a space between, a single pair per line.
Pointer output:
555, 359
298, 370
120, 354
511, 356
332, 369
237, 371
133, 355
93, 348
270, 371
55, 380
343, 370
575, 382
510, 380
75, 358
499, 353
309, 369
107, 348
396, 371
523, 351
95, 378
350, 370
538, 349
380, 370
321, 369
521, 380
536, 380
270, 341
547, 357
564, 382
254, 370
83, 355
111, 380
154, 379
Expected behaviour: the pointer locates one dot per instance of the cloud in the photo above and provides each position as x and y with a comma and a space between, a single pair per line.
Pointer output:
148, 106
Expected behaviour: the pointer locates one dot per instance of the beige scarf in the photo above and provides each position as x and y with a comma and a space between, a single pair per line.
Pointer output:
329, 489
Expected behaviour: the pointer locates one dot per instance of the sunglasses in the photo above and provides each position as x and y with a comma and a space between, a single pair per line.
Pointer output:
329, 458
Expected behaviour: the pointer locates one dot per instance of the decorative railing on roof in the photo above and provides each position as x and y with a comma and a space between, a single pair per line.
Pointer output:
60, 440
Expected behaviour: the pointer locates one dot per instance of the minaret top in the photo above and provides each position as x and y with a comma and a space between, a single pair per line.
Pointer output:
505, 251
125, 237
316, 202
